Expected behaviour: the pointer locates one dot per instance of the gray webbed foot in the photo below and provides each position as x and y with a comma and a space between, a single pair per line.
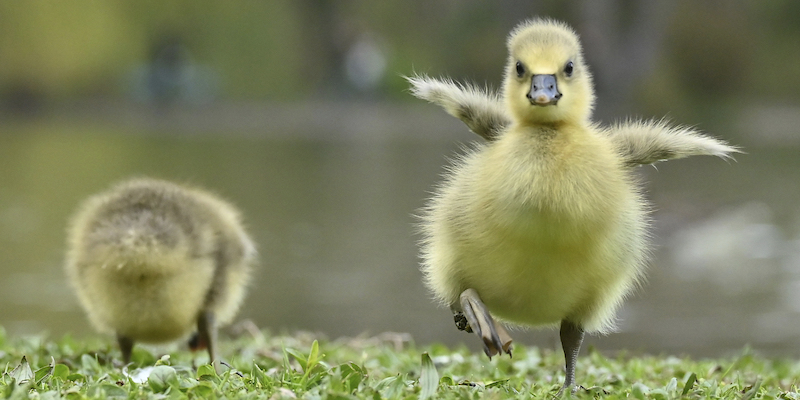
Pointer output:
478, 319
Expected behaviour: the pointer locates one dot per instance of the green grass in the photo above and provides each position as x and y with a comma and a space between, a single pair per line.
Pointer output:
260, 365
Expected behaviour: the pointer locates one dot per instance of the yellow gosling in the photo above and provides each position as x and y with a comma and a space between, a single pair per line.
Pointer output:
544, 224
151, 261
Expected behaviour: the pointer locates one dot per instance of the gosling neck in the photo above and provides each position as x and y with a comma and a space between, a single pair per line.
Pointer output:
544, 129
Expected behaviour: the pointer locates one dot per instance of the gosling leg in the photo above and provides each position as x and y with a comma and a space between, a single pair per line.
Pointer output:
126, 347
206, 336
571, 339
478, 319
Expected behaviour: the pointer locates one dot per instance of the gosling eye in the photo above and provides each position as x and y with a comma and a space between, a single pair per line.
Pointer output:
568, 69
520, 69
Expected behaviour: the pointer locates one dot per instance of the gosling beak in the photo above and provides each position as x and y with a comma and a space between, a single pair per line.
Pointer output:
544, 90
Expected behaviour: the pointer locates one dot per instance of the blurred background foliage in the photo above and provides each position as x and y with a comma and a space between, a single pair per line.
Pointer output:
296, 50
297, 112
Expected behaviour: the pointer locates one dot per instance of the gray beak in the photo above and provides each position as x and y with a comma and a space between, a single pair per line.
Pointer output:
544, 90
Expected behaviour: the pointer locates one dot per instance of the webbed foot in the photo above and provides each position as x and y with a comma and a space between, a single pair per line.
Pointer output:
475, 317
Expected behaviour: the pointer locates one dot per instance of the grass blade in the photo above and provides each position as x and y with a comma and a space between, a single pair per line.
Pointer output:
313, 356
689, 384
428, 378
752, 391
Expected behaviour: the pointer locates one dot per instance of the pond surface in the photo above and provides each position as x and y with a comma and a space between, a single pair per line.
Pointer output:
329, 193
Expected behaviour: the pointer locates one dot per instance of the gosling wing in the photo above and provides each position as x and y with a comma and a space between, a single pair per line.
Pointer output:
483, 112
646, 142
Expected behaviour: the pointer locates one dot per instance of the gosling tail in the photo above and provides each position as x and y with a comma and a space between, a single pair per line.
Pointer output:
481, 111
646, 142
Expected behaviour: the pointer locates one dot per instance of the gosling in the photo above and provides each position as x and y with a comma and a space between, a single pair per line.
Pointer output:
151, 261
544, 224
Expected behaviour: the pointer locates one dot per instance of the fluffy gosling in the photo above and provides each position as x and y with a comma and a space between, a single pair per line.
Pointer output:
544, 224
151, 261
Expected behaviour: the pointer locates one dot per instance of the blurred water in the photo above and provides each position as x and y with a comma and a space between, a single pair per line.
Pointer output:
329, 195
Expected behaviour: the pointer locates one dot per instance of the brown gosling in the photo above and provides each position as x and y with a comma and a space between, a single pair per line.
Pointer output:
544, 224
151, 261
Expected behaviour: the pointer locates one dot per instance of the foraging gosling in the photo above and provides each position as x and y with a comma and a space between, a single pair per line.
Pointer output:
151, 261
544, 224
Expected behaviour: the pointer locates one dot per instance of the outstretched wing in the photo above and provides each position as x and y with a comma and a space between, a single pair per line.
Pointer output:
481, 111
647, 142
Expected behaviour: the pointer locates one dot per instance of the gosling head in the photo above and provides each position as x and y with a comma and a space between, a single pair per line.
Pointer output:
546, 80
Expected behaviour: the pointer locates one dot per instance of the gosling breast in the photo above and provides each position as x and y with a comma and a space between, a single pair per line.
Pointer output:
544, 227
